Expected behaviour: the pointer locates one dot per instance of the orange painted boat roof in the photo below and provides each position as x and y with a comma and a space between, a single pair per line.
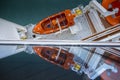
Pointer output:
53, 23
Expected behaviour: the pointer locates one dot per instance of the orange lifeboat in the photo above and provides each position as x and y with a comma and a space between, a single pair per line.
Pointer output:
55, 23
110, 5
55, 55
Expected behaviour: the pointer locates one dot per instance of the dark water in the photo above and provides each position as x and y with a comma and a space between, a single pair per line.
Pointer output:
24, 12
24, 66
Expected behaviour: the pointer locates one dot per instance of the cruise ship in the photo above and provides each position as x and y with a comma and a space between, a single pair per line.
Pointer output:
83, 39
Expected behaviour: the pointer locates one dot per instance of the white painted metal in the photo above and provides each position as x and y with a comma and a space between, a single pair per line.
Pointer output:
116, 39
107, 32
101, 69
58, 23
110, 37
80, 52
101, 9
58, 54
8, 31
83, 25
96, 57
96, 20
59, 43
75, 29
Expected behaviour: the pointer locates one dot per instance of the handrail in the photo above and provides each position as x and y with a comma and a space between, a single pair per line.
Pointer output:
59, 43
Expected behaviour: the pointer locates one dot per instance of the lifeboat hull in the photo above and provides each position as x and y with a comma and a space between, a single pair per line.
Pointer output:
55, 23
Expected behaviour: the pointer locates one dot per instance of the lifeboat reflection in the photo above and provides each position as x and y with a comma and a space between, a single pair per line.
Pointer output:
114, 61
55, 55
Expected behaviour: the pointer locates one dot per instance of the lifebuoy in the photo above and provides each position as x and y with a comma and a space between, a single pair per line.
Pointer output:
110, 5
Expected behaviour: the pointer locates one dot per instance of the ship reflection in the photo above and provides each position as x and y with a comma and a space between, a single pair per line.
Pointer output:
94, 62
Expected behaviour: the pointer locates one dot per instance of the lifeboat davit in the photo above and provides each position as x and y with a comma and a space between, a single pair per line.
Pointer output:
110, 5
56, 56
109, 75
55, 23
